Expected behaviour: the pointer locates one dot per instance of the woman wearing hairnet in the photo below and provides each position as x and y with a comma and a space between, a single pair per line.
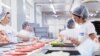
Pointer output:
26, 34
86, 31
69, 32
4, 25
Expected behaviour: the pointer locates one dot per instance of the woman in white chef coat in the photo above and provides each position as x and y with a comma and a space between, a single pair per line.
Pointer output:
5, 27
86, 31
27, 33
69, 31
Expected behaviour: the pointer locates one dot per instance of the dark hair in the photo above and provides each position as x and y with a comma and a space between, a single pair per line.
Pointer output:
7, 13
77, 15
70, 24
24, 25
80, 17
99, 38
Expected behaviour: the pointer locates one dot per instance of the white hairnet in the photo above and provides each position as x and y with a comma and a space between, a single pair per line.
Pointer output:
81, 11
2, 13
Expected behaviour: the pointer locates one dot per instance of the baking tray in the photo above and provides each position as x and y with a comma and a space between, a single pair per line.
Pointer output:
63, 45
71, 52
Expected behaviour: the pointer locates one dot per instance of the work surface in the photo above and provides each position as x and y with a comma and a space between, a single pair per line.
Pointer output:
46, 49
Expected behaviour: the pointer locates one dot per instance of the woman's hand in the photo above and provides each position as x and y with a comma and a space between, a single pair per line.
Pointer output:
97, 40
60, 37
34, 39
74, 41
2, 32
3, 38
25, 39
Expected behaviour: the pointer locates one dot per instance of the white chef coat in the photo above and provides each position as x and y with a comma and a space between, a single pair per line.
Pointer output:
11, 33
85, 29
81, 32
27, 33
87, 46
69, 33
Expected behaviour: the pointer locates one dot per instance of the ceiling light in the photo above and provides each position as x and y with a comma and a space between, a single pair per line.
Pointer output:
5, 5
50, 0
51, 5
90, 0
